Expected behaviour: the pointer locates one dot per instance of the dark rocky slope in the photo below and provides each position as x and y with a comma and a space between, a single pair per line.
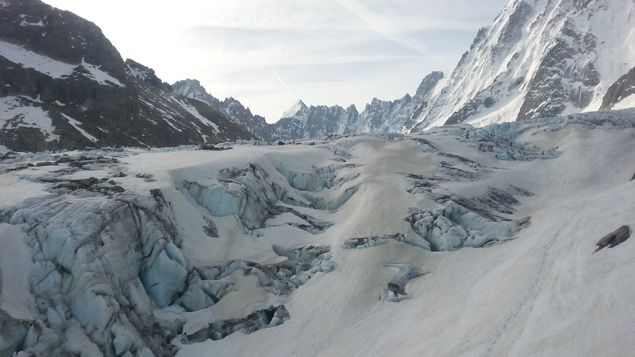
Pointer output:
64, 85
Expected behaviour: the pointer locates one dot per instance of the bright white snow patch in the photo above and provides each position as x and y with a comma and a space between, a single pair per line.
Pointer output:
53, 68
76, 124
628, 102
20, 112
98, 75
25, 23
28, 59
198, 115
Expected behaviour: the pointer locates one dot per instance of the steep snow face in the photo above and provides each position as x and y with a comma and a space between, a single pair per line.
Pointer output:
461, 240
540, 58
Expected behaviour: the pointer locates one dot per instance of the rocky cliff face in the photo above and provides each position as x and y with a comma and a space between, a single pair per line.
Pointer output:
63, 85
540, 58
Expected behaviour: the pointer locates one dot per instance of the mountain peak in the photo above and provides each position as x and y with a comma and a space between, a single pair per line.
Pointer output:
294, 109
144, 74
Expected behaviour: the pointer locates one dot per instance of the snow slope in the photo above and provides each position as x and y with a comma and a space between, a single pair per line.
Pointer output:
459, 241
539, 58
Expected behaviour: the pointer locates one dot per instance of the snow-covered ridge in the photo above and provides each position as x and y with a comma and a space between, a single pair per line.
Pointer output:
540, 58
319, 249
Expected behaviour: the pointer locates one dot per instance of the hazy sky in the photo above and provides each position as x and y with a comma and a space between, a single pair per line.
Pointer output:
270, 53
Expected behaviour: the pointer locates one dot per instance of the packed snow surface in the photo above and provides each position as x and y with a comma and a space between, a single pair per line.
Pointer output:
460, 241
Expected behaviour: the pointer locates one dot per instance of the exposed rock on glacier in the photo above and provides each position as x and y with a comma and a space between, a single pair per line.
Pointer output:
614, 238
494, 200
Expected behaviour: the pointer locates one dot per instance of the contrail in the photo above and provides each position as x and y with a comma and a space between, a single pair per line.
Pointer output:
283, 84
378, 24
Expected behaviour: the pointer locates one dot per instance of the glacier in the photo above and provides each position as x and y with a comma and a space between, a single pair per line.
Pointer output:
456, 241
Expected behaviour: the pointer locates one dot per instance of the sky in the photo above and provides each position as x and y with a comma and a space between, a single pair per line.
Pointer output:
270, 53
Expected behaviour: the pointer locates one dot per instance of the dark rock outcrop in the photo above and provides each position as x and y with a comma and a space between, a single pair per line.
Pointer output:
621, 89
614, 238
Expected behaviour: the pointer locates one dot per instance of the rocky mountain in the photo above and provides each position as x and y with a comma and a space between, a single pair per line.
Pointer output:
231, 107
314, 122
621, 94
540, 58
303, 121
398, 115
64, 85
379, 116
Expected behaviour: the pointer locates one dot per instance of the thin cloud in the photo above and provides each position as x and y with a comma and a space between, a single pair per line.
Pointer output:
383, 27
